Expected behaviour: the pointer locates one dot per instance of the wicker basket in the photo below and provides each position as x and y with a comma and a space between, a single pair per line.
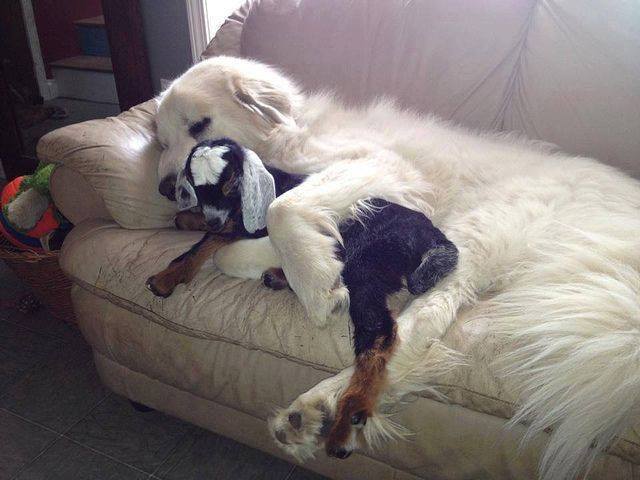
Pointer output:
42, 273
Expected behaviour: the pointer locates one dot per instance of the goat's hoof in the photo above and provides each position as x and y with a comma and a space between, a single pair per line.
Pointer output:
152, 286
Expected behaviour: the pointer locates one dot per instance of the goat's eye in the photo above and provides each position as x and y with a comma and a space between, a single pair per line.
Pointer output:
163, 145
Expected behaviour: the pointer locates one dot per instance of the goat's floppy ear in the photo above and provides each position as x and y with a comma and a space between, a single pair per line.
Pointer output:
263, 99
185, 194
258, 190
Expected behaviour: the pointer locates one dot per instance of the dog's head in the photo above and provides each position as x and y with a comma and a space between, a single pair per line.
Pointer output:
224, 188
222, 97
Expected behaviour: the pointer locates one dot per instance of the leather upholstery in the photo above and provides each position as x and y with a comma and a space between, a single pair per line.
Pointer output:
220, 319
566, 72
118, 158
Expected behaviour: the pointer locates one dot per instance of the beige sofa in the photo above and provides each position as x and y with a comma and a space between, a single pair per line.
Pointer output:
223, 352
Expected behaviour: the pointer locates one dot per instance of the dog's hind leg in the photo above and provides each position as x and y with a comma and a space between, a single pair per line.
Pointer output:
184, 268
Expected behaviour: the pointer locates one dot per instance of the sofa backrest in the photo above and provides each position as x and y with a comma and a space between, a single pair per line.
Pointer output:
565, 71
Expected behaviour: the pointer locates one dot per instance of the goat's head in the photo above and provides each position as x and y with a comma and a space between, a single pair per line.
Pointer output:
223, 188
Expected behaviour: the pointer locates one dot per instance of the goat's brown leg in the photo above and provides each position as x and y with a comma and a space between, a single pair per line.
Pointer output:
184, 268
358, 401
275, 279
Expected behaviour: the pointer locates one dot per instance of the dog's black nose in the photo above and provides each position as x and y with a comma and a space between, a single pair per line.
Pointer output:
167, 187
340, 453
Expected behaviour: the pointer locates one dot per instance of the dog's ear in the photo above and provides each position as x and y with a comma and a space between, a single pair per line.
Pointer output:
258, 190
263, 99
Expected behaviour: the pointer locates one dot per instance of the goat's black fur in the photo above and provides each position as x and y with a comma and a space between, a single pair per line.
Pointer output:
381, 248
380, 251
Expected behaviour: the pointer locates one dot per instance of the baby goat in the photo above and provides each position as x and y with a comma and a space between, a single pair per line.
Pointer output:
226, 191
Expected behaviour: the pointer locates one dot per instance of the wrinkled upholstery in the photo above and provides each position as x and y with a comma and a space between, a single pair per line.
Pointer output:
112, 263
118, 158
222, 352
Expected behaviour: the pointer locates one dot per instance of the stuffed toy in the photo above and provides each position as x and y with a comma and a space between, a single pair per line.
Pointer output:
28, 218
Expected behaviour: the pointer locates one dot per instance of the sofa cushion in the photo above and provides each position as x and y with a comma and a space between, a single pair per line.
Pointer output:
113, 263
563, 72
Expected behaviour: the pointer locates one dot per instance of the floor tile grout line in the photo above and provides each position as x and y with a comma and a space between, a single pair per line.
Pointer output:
38, 424
34, 459
32, 422
102, 454
91, 410
175, 447
59, 436
165, 459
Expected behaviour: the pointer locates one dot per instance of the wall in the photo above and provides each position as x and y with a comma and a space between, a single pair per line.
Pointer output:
166, 32
57, 34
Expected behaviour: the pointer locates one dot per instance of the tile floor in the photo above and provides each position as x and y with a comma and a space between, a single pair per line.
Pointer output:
57, 422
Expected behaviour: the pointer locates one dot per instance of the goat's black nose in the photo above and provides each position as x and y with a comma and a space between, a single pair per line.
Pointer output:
215, 224
167, 187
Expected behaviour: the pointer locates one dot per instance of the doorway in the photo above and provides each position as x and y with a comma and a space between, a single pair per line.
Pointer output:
64, 62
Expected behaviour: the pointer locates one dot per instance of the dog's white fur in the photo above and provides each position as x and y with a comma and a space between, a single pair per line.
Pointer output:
549, 242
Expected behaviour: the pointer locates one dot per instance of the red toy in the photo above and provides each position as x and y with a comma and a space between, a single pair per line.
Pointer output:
28, 240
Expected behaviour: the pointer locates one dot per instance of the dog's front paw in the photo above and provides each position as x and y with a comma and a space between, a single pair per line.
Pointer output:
300, 430
325, 307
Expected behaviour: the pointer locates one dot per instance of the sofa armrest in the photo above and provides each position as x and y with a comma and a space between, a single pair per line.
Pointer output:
75, 197
109, 170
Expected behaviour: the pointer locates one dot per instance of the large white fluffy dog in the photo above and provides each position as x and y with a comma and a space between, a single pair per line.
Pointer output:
549, 246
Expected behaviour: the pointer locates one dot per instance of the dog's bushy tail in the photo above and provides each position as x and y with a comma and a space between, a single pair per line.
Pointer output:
574, 358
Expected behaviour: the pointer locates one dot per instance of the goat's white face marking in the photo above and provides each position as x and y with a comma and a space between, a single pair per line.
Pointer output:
207, 165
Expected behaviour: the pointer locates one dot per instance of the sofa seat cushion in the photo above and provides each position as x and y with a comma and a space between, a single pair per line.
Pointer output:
116, 262
113, 263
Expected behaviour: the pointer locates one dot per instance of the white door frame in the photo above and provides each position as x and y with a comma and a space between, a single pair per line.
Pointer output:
198, 27
47, 87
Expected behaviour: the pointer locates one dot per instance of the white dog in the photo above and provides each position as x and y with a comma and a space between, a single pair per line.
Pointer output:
551, 243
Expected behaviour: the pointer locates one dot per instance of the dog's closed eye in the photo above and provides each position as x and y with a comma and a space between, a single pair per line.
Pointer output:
198, 127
